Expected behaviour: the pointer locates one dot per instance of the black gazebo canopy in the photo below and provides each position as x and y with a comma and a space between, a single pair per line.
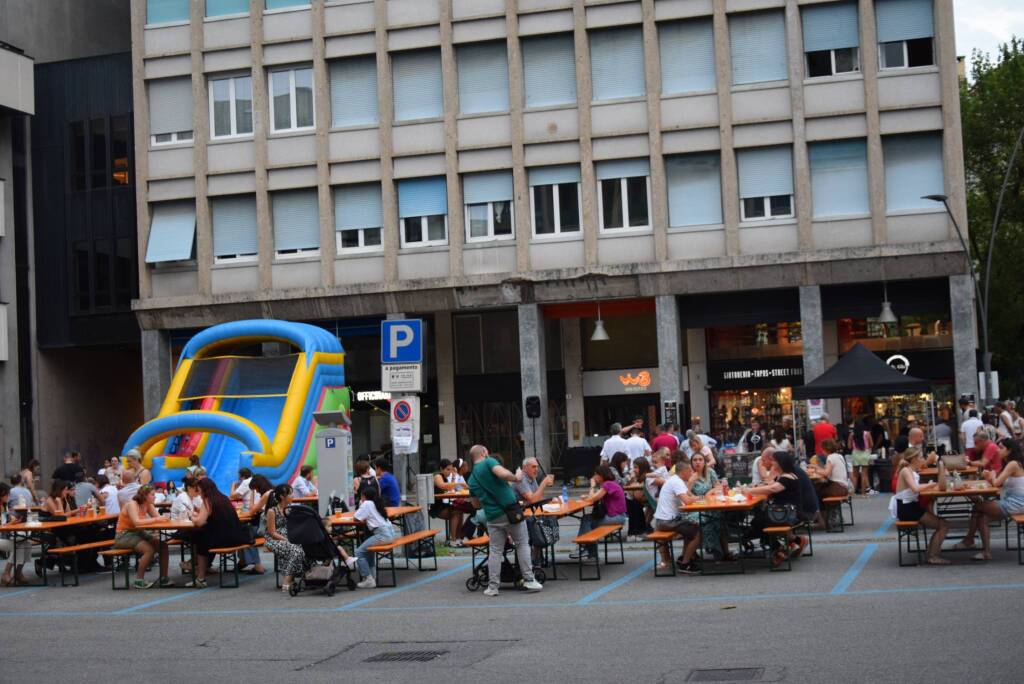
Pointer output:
860, 373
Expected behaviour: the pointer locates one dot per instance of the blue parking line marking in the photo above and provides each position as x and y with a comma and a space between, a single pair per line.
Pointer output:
850, 575
884, 528
19, 592
598, 593
397, 590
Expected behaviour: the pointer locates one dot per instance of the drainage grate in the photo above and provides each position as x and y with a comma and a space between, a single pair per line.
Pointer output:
406, 657
732, 674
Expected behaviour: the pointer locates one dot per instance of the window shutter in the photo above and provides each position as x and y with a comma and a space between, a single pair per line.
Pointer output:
839, 178
765, 171
555, 175
830, 27
904, 20
217, 8
494, 186
171, 232
483, 78
694, 189
422, 197
418, 89
757, 42
354, 91
687, 56
234, 225
170, 105
913, 169
617, 62
549, 70
358, 206
296, 220
623, 168
162, 11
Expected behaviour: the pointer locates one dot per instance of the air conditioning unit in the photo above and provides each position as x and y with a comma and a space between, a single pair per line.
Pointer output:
3, 332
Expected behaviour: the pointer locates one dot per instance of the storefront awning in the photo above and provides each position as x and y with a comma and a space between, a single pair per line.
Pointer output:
860, 373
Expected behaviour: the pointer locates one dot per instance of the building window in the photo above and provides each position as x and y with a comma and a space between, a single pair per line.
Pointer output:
757, 42
913, 169
766, 183
296, 216
905, 31
417, 85
234, 228
687, 56
172, 232
483, 77
624, 187
488, 200
231, 107
831, 38
99, 153
617, 63
291, 99
423, 211
694, 189
102, 272
358, 218
220, 8
286, 4
170, 111
555, 204
549, 70
839, 178
166, 11
354, 91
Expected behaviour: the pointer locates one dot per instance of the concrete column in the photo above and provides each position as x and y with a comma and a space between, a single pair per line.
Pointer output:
533, 368
801, 161
156, 370
141, 105
730, 183
810, 327
670, 348
965, 334
697, 366
876, 166
572, 360
445, 360
322, 103
953, 145
659, 190
261, 127
386, 117
456, 212
520, 184
830, 340
200, 154
584, 95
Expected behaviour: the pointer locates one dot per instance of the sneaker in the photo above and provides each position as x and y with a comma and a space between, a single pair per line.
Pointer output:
165, 582
457, 543
798, 548
196, 584
778, 558
872, 492
575, 555
351, 563
367, 583
491, 591
286, 588
533, 586
142, 584
691, 568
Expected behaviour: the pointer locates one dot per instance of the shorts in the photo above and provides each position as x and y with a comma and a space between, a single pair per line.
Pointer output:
684, 528
1012, 505
909, 512
129, 539
861, 459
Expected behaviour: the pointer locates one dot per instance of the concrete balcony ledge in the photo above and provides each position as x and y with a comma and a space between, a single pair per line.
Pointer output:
18, 92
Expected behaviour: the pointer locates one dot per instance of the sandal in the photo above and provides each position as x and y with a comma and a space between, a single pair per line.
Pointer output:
961, 546
7, 581
936, 561
981, 556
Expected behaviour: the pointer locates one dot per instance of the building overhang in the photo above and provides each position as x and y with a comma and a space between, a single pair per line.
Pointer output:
18, 91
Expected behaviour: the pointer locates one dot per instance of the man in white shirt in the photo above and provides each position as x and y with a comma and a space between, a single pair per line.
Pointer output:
667, 516
636, 445
613, 444
241, 490
969, 428
1004, 421
303, 485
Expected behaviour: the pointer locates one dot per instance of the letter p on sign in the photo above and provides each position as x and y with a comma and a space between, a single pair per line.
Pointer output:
401, 341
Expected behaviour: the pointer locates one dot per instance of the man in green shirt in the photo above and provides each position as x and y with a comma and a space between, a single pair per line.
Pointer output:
488, 483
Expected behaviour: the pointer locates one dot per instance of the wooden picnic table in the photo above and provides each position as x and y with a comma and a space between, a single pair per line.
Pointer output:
25, 531
715, 503
314, 499
457, 494
349, 518
934, 472
564, 509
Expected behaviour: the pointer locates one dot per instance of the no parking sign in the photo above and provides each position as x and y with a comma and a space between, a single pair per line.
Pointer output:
405, 418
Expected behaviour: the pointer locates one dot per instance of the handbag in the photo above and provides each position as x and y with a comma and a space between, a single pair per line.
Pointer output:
513, 511
600, 511
781, 514
543, 532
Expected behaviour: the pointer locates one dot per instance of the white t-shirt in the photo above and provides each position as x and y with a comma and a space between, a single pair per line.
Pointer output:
125, 494
839, 473
668, 500
303, 487
1004, 424
612, 446
368, 513
969, 427
755, 472
659, 473
111, 502
636, 447
182, 507
246, 494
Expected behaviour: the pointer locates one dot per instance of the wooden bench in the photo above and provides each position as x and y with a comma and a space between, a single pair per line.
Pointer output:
830, 503
782, 533
62, 553
591, 539
479, 546
122, 560
387, 550
663, 538
1019, 520
908, 531
231, 553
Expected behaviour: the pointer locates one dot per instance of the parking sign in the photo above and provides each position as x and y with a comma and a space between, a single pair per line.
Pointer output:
401, 341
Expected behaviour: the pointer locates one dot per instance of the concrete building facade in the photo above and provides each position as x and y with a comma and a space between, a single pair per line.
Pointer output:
730, 188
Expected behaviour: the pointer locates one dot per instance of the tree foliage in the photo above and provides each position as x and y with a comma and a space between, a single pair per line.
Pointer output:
992, 107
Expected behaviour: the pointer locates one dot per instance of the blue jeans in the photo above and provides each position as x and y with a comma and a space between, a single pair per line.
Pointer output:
367, 559
588, 523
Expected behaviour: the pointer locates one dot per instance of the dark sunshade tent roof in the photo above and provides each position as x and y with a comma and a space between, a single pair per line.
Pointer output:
858, 373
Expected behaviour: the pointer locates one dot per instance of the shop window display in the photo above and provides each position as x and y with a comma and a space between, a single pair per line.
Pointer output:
761, 340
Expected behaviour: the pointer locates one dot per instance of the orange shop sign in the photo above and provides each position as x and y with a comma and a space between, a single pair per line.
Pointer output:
626, 381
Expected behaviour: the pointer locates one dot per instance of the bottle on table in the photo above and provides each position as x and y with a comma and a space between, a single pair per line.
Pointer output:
565, 494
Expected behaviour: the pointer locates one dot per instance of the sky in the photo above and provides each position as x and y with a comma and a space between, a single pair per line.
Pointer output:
984, 24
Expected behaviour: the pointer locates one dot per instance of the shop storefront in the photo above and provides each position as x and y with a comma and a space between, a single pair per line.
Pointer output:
748, 389
619, 396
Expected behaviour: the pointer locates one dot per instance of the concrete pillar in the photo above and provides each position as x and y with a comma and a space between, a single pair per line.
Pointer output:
572, 360
156, 370
670, 349
445, 360
325, 200
876, 167
801, 160
965, 334
386, 117
200, 154
141, 148
261, 127
659, 190
810, 326
830, 340
730, 183
456, 212
584, 95
697, 367
533, 370
952, 145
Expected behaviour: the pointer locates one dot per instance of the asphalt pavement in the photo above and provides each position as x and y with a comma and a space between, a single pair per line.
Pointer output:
846, 614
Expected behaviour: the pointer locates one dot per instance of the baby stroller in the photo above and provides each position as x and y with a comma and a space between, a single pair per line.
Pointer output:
510, 571
324, 566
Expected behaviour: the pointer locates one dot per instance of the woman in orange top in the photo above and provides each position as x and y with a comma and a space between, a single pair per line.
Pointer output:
141, 508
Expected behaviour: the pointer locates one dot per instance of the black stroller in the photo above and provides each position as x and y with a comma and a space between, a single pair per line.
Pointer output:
324, 567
